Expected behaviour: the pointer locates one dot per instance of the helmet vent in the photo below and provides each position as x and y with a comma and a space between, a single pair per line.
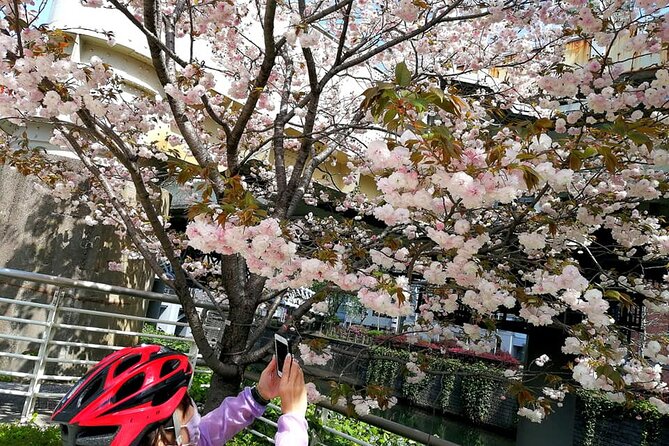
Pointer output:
168, 367
90, 392
126, 364
98, 436
161, 397
130, 387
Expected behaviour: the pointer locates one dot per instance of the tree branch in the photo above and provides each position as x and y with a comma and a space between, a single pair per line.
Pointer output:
258, 331
135, 234
280, 124
188, 131
150, 33
342, 37
259, 83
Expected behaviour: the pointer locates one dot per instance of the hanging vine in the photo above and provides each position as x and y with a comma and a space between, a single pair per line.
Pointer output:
595, 408
477, 392
477, 382
448, 383
385, 372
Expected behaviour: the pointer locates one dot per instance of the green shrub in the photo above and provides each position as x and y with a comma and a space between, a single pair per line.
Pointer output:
246, 438
350, 426
180, 346
28, 435
317, 419
200, 386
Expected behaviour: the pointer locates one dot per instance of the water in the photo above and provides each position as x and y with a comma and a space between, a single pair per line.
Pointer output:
450, 429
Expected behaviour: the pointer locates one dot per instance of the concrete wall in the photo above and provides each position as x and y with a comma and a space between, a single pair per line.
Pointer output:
40, 235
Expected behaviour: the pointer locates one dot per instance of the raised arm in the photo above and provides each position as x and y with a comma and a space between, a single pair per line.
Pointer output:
292, 425
233, 415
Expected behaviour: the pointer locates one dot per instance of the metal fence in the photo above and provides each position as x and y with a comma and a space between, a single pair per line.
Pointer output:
332, 431
50, 316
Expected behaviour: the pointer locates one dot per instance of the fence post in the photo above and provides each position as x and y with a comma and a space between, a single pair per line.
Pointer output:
192, 353
40, 364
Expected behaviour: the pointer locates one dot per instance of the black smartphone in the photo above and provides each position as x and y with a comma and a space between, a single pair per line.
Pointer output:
282, 349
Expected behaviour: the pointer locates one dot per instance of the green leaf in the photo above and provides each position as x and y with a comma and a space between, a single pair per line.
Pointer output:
402, 75
543, 124
575, 161
389, 116
420, 104
530, 176
438, 92
610, 159
624, 298
640, 138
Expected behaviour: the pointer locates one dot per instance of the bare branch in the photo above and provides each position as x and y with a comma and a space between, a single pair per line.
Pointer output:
215, 116
342, 37
258, 85
258, 331
150, 32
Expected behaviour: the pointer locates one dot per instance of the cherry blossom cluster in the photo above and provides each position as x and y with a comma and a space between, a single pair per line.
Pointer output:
310, 357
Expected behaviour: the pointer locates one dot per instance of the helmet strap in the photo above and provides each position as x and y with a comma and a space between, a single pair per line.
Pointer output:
176, 421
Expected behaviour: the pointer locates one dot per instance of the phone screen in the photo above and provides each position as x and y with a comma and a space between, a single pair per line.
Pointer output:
281, 353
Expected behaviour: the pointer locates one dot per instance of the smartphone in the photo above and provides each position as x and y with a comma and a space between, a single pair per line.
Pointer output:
282, 349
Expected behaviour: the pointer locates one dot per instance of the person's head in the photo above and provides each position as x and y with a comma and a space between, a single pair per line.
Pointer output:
180, 430
132, 396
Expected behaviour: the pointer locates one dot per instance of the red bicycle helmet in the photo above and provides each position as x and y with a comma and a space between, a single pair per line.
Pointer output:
123, 397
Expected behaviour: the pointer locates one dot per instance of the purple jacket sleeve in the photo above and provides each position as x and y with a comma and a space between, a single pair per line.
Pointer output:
236, 413
292, 431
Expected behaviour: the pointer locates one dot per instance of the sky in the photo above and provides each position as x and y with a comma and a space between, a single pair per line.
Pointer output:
45, 14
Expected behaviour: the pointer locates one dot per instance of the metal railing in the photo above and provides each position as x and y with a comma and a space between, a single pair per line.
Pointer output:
387, 425
373, 420
58, 310
325, 428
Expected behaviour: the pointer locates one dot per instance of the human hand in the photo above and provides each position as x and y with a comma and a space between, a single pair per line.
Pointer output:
292, 390
268, 385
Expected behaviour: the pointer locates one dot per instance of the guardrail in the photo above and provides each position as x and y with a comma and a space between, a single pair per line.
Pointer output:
373, 420
57, 310
325, 428
390, 426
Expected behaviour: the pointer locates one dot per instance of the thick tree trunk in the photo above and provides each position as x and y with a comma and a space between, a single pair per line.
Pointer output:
233, 346
243, 295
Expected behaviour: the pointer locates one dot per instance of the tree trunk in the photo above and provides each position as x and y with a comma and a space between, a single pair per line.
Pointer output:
243, 305
233, 346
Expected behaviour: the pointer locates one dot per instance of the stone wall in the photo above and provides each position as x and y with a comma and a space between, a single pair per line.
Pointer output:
617, 431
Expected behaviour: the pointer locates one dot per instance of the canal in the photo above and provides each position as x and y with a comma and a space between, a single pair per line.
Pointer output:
449, 428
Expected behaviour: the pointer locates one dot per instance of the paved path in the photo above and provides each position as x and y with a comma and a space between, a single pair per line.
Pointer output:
12, 405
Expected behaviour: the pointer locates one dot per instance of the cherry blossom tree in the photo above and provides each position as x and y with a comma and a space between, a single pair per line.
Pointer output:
502, 173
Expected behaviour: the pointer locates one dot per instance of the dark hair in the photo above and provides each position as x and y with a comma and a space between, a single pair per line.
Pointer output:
158, 433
